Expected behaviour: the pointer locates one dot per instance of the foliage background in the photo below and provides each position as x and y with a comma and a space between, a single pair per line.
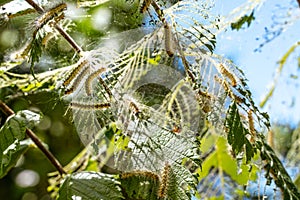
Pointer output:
56, 130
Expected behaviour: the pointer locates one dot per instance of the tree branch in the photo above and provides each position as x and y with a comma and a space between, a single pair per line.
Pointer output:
8, 111
70, 40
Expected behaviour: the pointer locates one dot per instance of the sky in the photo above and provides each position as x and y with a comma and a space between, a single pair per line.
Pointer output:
260, 64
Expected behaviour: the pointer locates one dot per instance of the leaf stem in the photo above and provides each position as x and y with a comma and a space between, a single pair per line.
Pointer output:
8, 111
63, 33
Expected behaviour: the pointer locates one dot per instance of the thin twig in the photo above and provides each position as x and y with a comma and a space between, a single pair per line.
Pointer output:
39, 9
8, 111
70, 40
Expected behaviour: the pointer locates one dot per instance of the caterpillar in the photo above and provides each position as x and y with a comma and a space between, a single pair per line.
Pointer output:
204, 94
229, 75
145, 5
50, 35
75, 72
83, 106
47, 16
91, 77
168, 40
226, 87
21, 13
147, 174
77, 81
58, 18
164, 183
270, 138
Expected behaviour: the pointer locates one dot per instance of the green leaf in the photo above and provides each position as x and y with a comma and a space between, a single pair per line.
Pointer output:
140, 185
237, 133
12, 133
277, 171
220, 159
90, 185
12, 155
245, 19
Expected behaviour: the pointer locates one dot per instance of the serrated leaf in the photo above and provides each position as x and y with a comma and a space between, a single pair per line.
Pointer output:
11, 135
12, 155
90, 185
275, 170
236, 133
141, 185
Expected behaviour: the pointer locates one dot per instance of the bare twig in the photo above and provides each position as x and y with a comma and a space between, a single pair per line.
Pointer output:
8, 111
70, 40
35, 6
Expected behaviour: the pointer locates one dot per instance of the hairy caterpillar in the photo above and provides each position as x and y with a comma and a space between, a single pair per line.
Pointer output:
77, 81
51, 35
270, 138
168, 40
60, 17
91, 77
147, 174
83, 106
229, 75
226, 87
75, 72
204, 98
204, 94
47, 16
145, 5
164, 183
21, 13
251, 125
